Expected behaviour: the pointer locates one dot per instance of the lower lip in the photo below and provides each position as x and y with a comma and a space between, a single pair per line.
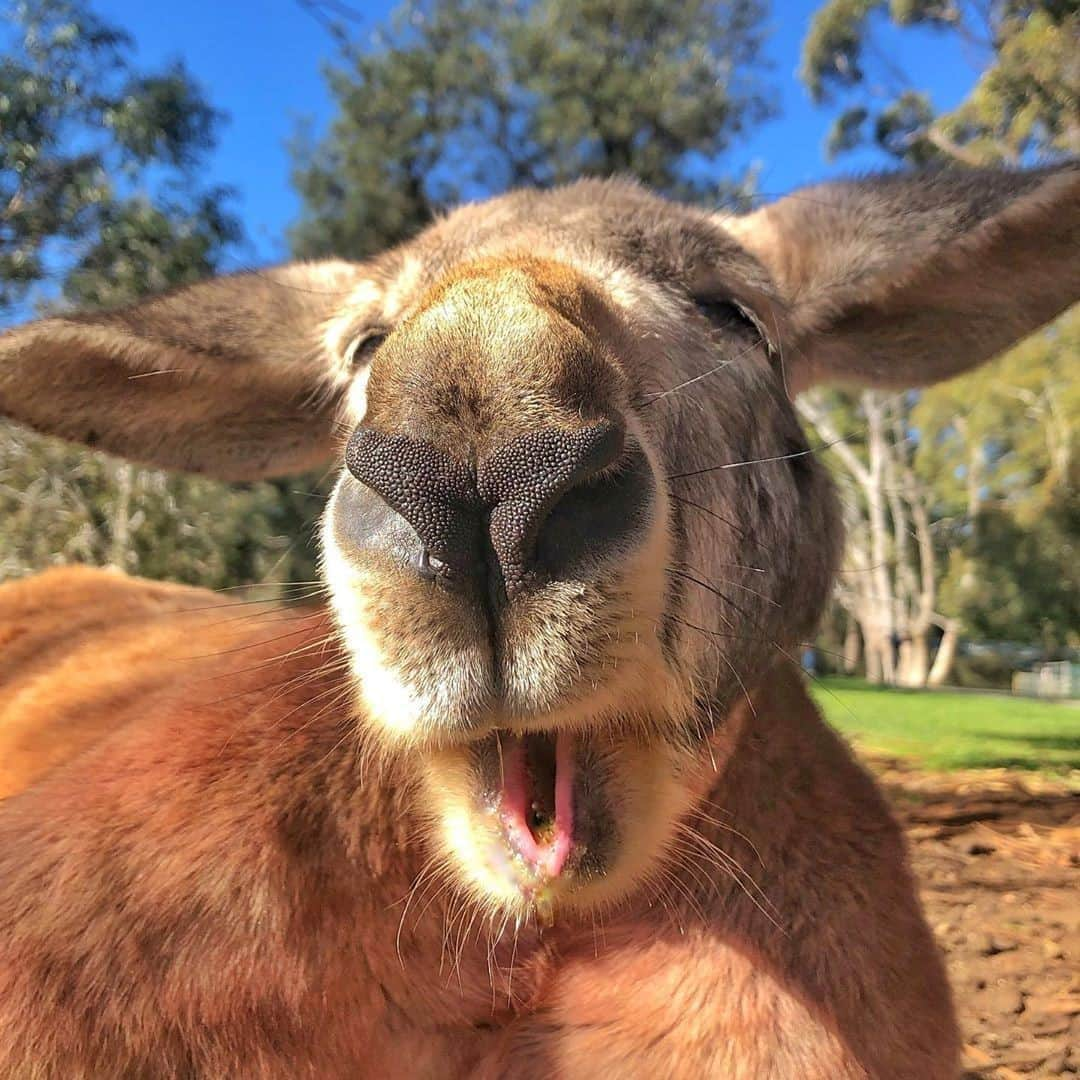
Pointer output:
547, 859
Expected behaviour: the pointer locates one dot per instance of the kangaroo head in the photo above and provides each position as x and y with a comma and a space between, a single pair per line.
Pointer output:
576, 519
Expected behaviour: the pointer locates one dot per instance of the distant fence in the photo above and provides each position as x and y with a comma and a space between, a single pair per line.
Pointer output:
1060, 679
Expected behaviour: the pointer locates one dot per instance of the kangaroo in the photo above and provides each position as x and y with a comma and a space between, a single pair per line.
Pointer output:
537, 791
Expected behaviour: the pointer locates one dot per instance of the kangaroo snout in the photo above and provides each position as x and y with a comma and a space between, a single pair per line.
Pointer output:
496, 431
502, 496
501, 488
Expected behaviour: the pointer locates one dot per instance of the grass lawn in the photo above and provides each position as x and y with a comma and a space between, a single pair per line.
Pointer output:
942, 730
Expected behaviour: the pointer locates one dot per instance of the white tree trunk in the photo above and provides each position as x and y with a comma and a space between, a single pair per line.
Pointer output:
890, 581
852, 646
946, 654
120, 519
914, 661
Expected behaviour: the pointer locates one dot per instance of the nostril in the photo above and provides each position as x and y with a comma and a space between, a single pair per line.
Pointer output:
599, 520
524, 480
429, 566
433, 492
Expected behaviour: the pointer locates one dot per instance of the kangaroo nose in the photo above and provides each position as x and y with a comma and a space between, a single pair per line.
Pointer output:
470, 518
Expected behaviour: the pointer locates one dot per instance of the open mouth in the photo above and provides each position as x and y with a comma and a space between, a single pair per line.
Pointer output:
536, 801
542, 822
552, 824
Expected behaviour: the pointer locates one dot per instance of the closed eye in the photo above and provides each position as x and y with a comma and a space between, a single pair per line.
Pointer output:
728, 315
364, 346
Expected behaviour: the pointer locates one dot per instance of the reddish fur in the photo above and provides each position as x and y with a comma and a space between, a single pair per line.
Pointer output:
216, 886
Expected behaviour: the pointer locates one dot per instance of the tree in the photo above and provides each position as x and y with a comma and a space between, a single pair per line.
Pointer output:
1003, 457
96, 164
465, 98
1023, 102
961, 500
99, 204
890, 582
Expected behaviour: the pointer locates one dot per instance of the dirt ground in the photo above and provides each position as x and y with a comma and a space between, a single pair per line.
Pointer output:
997, 853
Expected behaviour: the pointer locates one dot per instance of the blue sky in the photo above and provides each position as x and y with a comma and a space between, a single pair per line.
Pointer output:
260, 62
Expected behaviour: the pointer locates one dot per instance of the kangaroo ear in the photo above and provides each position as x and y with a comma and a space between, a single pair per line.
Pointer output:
238, 377
904, 280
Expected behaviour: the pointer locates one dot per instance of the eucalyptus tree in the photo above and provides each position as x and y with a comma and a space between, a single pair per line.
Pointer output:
941, 530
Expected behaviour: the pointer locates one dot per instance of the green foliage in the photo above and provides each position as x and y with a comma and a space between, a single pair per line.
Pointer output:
1019, 582
1029, 98
1012, 422
832, 51
63, 505
1025, 101
465, 98
95, 162
1000, 450
953, 730
144, 247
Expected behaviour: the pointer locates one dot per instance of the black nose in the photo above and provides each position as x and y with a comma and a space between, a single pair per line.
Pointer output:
473, 520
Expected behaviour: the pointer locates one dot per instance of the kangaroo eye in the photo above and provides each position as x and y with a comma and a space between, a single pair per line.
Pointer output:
727, 315
359, 354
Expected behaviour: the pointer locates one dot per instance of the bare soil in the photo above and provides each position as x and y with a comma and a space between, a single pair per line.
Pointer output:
997, 855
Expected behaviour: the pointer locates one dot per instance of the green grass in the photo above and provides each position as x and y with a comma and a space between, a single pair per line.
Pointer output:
942, 730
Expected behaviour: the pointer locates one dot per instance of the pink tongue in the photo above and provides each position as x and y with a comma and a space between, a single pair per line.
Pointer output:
546, 858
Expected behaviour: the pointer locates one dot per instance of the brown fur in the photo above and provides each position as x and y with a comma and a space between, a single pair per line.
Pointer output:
243, 840
88, 622
230, 890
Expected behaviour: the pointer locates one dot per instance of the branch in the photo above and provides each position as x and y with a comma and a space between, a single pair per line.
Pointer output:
836, 441
940, 141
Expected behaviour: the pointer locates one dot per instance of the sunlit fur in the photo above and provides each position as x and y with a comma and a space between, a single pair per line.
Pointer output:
214, 872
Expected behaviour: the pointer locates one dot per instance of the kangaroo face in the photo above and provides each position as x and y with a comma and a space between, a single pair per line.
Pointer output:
577, 514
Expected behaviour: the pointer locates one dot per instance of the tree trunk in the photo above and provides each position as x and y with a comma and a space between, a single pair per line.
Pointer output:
879, 534
874, 647
914, 661
852, 646
946, 654
120, 519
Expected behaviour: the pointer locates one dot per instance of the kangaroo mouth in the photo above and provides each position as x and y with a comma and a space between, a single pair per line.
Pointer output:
539, 821
555, 824
536, 800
